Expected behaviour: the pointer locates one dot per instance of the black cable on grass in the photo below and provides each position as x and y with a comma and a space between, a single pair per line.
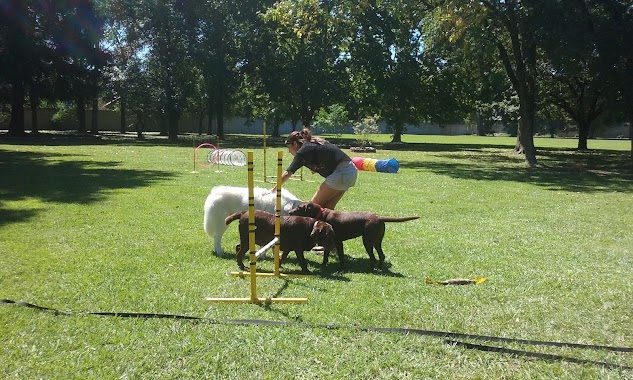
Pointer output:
438, 334
538, 355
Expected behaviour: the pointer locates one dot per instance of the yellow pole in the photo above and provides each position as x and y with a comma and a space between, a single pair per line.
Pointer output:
251, 228
251, 242
278, 214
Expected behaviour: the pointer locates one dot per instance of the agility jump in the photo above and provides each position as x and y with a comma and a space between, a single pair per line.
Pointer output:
206, 155
252, 253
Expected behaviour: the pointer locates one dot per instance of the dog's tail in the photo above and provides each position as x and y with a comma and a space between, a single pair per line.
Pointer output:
232, 217
397, 219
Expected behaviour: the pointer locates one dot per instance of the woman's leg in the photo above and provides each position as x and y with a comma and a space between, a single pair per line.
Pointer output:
326, 196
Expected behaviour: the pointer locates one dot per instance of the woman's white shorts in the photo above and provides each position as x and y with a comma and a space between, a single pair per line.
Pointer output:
343, 177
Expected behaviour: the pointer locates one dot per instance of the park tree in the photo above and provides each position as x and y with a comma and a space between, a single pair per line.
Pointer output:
264, 91
129, 87
393, 72
305, 56
570, 67
384, 50
219, 36
482, 88
50, 50
333, 119
611, 24
162, 32
126, 83
23, 55
580, 94
82, 57
512, 26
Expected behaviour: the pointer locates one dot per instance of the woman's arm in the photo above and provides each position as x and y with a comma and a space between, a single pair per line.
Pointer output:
284, 177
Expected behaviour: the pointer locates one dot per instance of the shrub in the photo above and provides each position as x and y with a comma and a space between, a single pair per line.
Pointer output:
332, 120
365, 128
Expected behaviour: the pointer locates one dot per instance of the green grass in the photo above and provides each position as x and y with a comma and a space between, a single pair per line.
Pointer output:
115, 224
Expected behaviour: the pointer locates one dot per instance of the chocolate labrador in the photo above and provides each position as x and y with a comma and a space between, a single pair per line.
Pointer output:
351, 224
298, 233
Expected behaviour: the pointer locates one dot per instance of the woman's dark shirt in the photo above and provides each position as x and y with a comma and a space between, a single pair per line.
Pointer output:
320, 158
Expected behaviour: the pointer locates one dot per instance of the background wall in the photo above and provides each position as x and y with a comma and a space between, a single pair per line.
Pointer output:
110, 121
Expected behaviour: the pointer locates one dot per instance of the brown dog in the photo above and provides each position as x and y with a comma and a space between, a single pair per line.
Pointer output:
298, 234
352, 224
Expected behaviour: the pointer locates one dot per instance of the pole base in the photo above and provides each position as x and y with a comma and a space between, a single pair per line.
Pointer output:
270, 274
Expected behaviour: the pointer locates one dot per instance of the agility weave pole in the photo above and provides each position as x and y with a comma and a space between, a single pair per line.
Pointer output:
251, 243
276, 242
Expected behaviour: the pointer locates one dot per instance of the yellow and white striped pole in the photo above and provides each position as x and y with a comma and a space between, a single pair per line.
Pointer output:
251, 242
251, 228
278, 214
264, 149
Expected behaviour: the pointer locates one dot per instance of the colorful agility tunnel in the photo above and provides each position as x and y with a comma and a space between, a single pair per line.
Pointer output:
372, 165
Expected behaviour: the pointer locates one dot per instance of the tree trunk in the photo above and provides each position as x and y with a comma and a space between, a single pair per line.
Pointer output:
123, 115
631, 131
628, 101
201, 121
521, 69
220, 111
397, 133
210, 111
481, 128
525, 136
34, 103
583, 136
16, 125
81, 115
220, 123
174, 118
94, 123
140, 124
525, 133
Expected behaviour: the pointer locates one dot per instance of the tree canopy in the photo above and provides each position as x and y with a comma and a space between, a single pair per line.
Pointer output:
405, 61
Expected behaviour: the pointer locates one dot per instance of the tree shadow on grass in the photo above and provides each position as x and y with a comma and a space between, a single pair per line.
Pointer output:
71, 138
25, 175
559, 169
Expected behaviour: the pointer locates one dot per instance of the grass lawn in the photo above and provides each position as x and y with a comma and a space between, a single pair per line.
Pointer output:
115, 225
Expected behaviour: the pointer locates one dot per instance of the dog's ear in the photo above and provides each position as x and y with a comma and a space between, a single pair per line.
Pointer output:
327, 236
317, 232
327, 229
323, 234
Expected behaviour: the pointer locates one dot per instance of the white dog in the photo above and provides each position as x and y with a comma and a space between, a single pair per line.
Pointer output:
226, 200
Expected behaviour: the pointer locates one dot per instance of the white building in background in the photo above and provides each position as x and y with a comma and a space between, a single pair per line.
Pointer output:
110, 121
